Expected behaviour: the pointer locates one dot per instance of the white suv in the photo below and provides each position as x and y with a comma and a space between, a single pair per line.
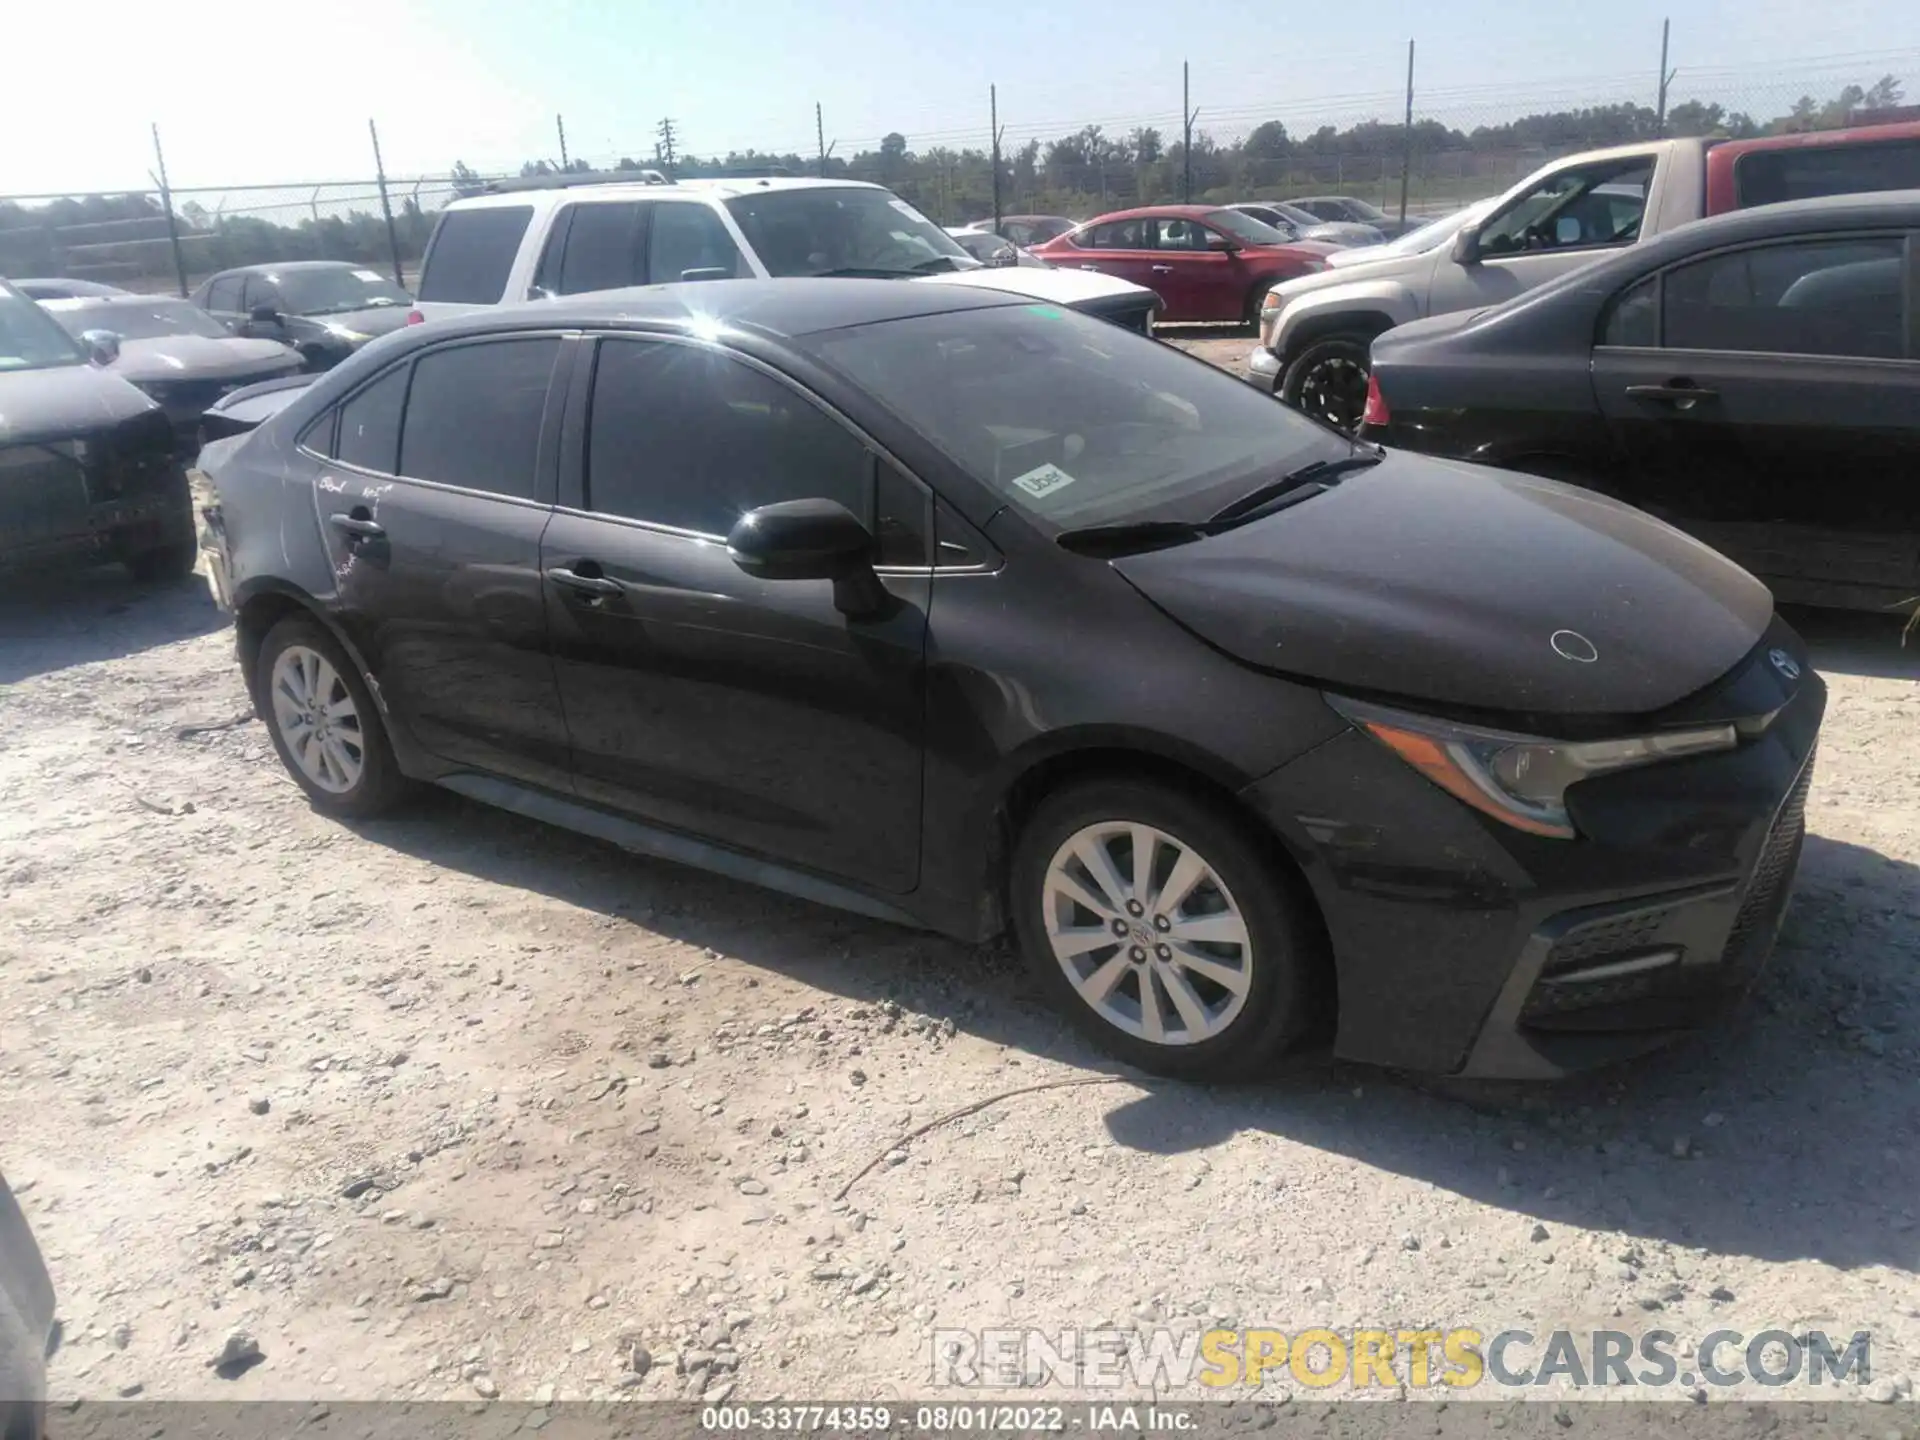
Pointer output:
566, 235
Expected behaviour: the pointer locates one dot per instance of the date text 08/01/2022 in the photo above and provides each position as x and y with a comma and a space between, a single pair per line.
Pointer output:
1012, 1419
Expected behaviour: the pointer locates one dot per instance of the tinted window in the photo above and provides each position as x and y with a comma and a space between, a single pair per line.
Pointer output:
369, 433
473, 416
1574, 209
685, 237
1253, 229
258, 292
900, 511
224, 295
1179, 235
687, 437
472, 253
603, 249
1767, 177
1072, 419
1827, 297
1634, 317
1117, 235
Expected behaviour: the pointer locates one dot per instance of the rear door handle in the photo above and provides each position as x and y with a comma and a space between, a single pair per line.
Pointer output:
1681, 394
1162, 269
358, 527
598, 586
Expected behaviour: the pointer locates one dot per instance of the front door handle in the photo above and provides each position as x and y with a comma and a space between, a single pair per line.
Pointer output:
1162, 269
358, 527
1680, 394
597, 586
1089, 267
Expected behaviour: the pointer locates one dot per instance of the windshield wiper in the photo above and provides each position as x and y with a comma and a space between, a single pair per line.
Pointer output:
1129, 538
1307, 481
935, 264
857, 272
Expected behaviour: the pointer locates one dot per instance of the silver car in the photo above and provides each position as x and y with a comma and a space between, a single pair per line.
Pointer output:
1297, 224
177, 353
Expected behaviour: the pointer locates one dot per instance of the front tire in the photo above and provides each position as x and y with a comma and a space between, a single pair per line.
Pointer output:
1328, 379
323, 722
1165, 929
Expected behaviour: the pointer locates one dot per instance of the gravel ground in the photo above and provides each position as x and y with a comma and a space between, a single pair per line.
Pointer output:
453, 1105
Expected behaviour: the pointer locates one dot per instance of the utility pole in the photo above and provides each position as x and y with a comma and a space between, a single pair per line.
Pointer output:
1188, 116
166, 203
820, 137
663, 148
386, 207
1406, 160
560, 124
1666, 79
993, 119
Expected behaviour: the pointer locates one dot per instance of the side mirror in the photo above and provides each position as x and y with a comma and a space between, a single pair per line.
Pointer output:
811, 540
1466, 245
1567, 231
1222, 243
103, 346
264, 315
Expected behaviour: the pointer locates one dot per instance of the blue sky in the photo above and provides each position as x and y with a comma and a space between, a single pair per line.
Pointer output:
261, 92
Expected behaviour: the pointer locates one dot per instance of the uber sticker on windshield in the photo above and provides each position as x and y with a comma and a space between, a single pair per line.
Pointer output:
1043, 481
373, 275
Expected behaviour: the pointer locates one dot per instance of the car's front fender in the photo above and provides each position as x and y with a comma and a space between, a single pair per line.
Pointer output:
1374, 305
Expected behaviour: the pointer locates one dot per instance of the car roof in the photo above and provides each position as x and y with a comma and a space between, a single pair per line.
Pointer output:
93, 302
289, 267
1157, 212
1851, 135
784, 309
723, 188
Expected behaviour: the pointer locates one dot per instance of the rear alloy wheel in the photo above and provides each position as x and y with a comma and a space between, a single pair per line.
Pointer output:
1328, 380
323, 722
1160, 926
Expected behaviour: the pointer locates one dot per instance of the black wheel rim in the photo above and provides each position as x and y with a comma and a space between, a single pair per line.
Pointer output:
1335, 390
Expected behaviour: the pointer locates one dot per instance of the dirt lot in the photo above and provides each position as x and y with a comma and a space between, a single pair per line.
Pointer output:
451, 1104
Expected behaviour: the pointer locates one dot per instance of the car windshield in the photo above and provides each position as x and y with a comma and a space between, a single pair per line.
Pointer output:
1369, 214
822, 230
1243, 226
29, 340
147, 321
334, 292
1074, 420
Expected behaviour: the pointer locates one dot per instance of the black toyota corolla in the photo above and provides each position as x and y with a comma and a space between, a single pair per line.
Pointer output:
978, 614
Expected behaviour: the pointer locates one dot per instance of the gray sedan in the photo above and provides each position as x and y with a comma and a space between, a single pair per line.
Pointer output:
1297, 224
173, 350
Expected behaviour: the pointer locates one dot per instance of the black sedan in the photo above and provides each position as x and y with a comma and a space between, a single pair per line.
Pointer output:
977, 614
325, 309
1754, 379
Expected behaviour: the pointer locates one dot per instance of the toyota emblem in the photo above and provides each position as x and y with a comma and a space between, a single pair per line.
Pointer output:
1788, 667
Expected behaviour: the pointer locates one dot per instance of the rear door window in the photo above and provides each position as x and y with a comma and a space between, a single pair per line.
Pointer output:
474, 413
683, 236
369, 434
603, 248
1767, 177
1118, 235
1818, 297
472, 254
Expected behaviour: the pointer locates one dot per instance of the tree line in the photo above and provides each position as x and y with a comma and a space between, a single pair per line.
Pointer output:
1077, 174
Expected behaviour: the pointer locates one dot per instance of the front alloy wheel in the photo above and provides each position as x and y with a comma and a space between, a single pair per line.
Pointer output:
1167, 926
1147, 933
1328, 380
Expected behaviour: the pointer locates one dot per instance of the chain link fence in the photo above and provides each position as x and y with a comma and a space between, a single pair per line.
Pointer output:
1465, 144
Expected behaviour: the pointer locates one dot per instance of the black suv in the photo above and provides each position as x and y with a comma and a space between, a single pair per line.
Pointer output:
88, 462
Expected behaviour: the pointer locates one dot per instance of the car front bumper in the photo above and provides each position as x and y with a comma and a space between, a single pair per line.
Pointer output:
1263, 368
1464, 947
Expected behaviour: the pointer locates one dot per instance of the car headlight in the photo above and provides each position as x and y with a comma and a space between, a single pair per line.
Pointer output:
1520, 780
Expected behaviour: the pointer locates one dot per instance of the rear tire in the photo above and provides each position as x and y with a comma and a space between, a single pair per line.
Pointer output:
323, 721
1328, 379
1199, 965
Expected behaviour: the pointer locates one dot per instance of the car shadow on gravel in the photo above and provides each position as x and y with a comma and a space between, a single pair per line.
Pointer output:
1854, 642
1785, 1132
49, 622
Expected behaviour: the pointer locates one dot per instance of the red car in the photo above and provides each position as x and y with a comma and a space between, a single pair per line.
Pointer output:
1206, 263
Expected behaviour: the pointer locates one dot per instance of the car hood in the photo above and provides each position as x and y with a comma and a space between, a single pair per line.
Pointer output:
64, 401
377, 321
1466, 588
200, 357
1063, 287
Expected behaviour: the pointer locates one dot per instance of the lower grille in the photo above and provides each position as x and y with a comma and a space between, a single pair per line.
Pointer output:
1767, 888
